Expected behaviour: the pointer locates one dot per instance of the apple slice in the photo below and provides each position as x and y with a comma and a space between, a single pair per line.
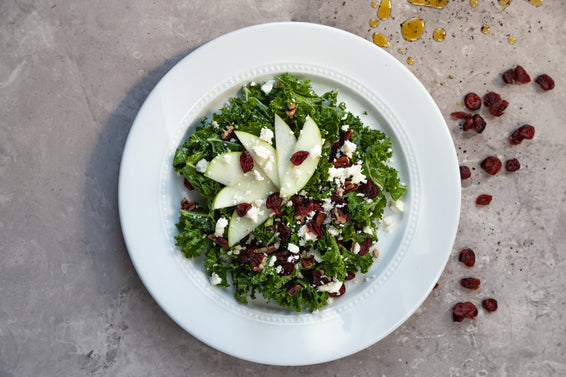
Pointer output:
294, 177
225, 168
253, 185
263, 153
241, 226
285, 144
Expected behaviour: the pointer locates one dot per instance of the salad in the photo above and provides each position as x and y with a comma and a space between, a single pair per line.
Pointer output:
293, 190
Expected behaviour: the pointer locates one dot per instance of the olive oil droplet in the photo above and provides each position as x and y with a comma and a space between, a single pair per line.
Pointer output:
412, 29
384, 10
374, 4
373, 22
511, 40
410, 61
439, 4
536, 3
380, 40
439, 34
474, 3
485, 29
400, 51
504, 3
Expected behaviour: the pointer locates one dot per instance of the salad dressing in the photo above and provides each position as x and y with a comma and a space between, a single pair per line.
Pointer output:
412, 29
384, 10
381, 40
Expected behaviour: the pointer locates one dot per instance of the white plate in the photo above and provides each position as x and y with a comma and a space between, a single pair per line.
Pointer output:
412, 256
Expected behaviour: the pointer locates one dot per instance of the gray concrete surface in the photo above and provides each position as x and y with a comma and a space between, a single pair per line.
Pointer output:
73, 74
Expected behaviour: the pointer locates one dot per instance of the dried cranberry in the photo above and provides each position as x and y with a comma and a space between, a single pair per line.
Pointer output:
483, 200
335, 198
509, 76
349, 275
287, 268
465, 172
545, 82
479, 123
365, 248
461, 115
294, 289
246, 161
491, 98
284, 231
521, 75
369, 189
468, 257
188, 184
463, 310
491, 165
242, 209
314, 277
348, 135
470, 283
472, 101
524, 132
340, 292
306, 207
298, 157
314, 228
274, 202
512, 165
498, 109
489, 304
468, 124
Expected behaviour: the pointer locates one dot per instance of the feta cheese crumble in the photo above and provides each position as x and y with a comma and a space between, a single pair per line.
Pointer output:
341, 174
330, 287
348, 148
266, 135
397, 206
293, 248
261, 152
215, 279
268, 86
221, 225
201, 165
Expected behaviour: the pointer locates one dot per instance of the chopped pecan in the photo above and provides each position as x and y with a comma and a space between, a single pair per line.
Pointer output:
314, 228
339, 216
349, 187
294, 289
300, 218
188, 184
342, 162
188, 206
228, 132
220, 241
291, 110
258, 261
307, 260
319, 218
265, 249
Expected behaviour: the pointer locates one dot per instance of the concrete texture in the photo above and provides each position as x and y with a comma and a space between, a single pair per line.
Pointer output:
73, 74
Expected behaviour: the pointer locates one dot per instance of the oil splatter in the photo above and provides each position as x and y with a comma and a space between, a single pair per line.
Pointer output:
380, 40
439, 34
384, 10
485, 29
412, 29
373, 22
410, 61
511, 40
439, 4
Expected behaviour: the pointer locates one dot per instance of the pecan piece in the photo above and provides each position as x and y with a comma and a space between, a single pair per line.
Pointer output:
293, 290
291, 110
342, 162
307, 260
349, 187
339, 216
227, 132
220, 241
319, 218
188, 206
258, 261
265, 249
188, 184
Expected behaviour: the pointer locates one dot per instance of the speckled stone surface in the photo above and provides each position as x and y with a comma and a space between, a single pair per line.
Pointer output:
73, 75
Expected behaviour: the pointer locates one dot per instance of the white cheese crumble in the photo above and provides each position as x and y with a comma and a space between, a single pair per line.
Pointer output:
268, 168
345, 127
293, 248
333, 231
261, 152
397, 206
348, 148
266, 135
327, 204
215, 279
367, 230
305, 234
278, 269
258, 175
331, 287
220, 227
357, 248
253, 213
341, 174
268, 86
214, 124
272, 261
315, 151
201, 165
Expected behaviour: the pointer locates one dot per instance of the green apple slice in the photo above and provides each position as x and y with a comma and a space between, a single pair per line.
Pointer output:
225, 168
263, 153
253, 185
241, 226
285, 144
294, 177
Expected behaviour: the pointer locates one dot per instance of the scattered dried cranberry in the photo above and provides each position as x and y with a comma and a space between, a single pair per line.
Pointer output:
246, 161
314, 277
243, 208
524, 132
491, 165
512, 165
489, 304
463, 310
284, 231
314, 228
365, 248
479, 123
483, 200
461, 115
305, 207
298, 157
472, 101
468, 257
498, 110
470, 283
340, 292
188, 185
521, 75
369, 189
491, 98
465, 172
495, 104
435, 286
509, 76
274, 202
545, 82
